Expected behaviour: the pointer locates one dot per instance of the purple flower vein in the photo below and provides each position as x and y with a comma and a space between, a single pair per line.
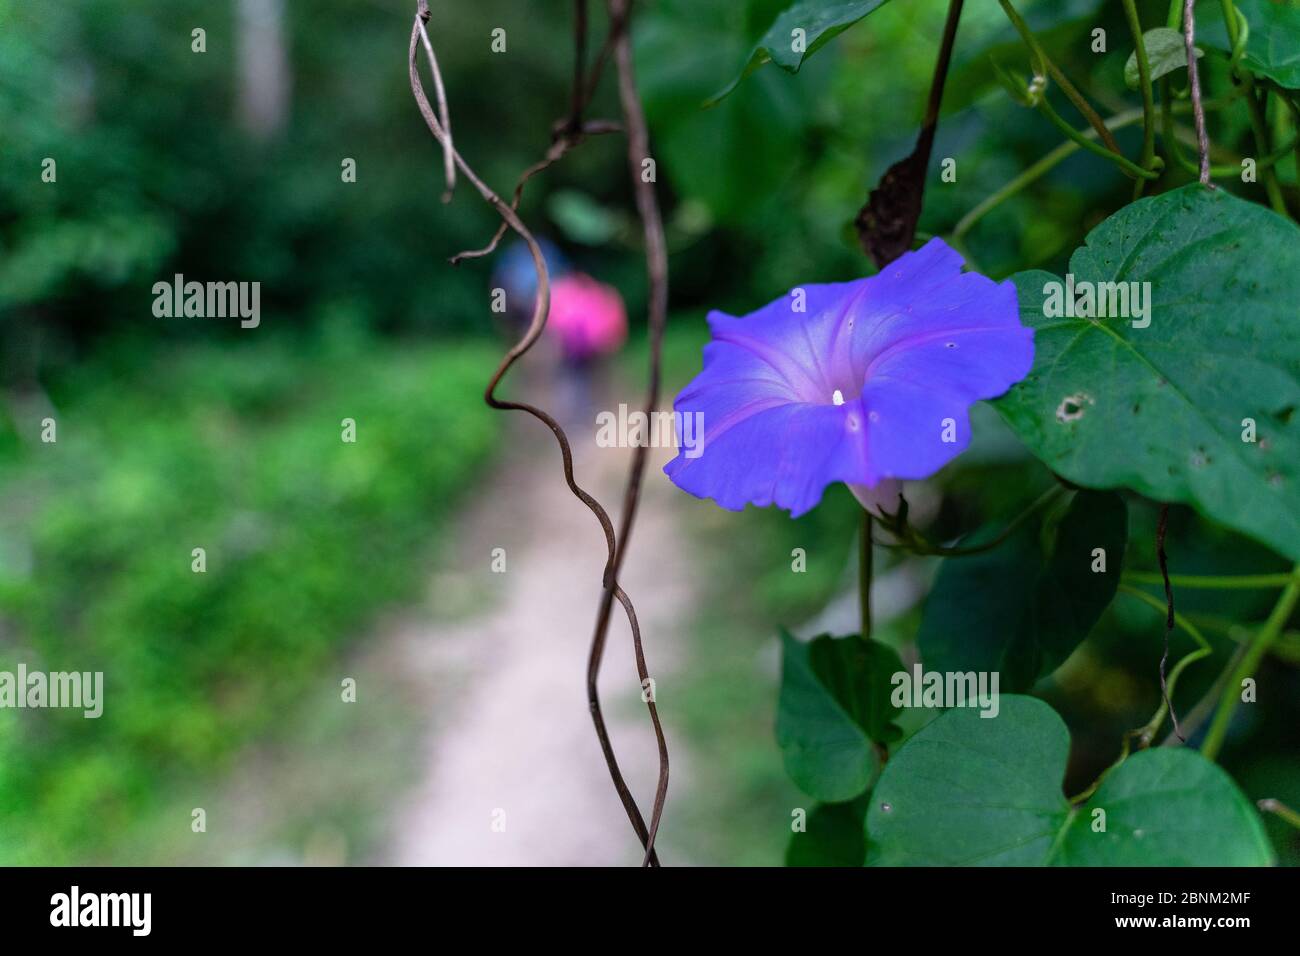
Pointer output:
871, 382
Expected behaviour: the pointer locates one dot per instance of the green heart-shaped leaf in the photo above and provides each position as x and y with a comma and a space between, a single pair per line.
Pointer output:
1170, 409
834, 709
969, 791
1021, 608
1272, 45
1166, 52
798, 33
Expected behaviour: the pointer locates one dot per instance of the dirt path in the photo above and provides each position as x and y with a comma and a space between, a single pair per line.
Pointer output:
513, 772
471, 704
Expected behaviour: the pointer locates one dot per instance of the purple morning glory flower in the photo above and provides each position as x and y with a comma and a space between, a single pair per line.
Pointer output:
867, 382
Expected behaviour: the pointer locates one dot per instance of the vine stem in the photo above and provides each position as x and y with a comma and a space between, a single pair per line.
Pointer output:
1031, 174
1259, 128
1161, 526
1053, 159
1224, 171
1202, 710
1281, 810
1252, 654
886, 223
1147, 155
1232, 21
1148, 731
444, 114
1218, 582
1123, 162
1293, 104
1194, 81
1068, 88
541, 308
638, 149
916, 545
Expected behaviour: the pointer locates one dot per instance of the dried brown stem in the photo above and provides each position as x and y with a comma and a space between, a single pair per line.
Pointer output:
638, 149
886, 224
1198, 109
569, 131
562, 145
444, 114
540, 309
617, 25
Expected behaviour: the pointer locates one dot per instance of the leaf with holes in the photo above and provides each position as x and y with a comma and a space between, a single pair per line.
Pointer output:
1184, 384
1021, 608
969, 791
798, 33
833, 711
1272, 44
1166, 52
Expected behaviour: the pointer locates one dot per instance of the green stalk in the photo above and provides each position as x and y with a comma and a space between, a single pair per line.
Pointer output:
1213, 581
1269, 805
1167, 135
1253, 653
914, 543
1223, 170
1148, 106
1030, 174
1259, 127
1294, 103
1256, 111
1229, 10
1068, 88
1118, 159
1055, 158
1149, 730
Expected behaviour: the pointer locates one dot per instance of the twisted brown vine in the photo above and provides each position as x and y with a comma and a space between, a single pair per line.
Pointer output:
568, 134
638, 149
570, 131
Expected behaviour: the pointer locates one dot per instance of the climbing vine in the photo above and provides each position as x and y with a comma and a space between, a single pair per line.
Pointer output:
1162, 367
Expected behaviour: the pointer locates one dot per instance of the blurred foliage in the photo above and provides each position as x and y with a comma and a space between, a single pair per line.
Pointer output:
305, 536
213, 434
155, 176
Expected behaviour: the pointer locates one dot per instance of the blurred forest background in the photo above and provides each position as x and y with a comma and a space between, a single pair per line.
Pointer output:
225, 165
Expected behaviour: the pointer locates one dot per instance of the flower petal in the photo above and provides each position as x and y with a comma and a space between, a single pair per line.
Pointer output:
784, 455
861, 382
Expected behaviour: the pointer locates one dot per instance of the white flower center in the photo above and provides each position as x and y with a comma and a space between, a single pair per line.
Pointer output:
838, 397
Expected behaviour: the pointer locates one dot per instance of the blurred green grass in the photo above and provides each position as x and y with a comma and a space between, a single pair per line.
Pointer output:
240, 452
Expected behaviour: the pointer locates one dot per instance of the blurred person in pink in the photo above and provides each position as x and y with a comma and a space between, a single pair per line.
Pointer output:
588, 321
587, 318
